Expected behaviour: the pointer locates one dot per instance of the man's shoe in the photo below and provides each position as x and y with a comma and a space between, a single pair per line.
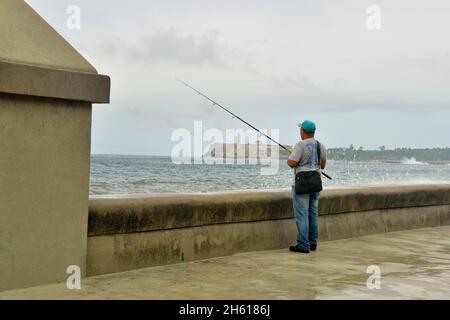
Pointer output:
298, 249
313, 248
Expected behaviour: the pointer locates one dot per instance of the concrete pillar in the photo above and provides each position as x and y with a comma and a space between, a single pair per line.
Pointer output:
46, 92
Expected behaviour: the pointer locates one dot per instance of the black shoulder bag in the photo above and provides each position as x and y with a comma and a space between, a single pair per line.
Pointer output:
307, 182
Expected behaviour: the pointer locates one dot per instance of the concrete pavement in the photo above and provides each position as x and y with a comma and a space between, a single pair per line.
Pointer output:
414, 264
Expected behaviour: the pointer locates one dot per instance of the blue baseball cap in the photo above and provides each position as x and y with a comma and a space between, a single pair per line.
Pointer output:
308, 126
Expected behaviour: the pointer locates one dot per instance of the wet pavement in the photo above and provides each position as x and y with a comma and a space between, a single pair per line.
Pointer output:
413, 264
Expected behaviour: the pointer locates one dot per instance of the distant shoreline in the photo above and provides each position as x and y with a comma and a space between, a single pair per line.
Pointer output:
284, 157
435, 162
437, 156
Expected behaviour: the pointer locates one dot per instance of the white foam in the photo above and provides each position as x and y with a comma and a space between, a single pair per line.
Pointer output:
413, 161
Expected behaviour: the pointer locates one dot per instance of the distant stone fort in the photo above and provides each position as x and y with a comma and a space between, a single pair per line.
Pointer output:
238, 150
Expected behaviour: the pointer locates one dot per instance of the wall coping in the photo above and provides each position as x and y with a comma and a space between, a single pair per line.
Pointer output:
23, 79
170, 211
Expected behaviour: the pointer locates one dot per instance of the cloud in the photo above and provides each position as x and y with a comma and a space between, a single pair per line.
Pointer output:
272, 63
173, 47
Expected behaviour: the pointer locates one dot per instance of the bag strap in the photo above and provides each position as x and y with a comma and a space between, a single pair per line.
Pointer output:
318, 152
318, 157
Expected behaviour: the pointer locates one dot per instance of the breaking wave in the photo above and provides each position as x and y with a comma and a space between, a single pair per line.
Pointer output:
413, 161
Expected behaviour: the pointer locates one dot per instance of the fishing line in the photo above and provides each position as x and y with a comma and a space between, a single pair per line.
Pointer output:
237, 117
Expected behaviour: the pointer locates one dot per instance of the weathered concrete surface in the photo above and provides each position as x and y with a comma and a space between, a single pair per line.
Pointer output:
138, 232
414, 264
121, 252
27, 38
169, 211
45, 149
34, 81
36, 61
44, 188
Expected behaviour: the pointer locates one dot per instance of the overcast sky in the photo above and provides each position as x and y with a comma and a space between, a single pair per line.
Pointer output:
274, 63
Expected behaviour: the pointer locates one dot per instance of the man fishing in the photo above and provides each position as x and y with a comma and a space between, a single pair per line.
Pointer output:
307, 158
308, 161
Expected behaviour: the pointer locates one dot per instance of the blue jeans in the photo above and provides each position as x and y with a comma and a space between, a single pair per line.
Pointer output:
306, 210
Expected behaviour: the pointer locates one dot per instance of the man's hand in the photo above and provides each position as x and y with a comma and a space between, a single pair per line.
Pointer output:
289, 149
292, 163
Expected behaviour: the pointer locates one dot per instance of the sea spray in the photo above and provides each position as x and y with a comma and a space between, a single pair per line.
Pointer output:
413, 161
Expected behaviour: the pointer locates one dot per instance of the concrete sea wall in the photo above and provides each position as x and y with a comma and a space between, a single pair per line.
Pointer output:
46, 93
141, 231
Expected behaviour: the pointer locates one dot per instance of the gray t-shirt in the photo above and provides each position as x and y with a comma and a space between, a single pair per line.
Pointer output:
305, 153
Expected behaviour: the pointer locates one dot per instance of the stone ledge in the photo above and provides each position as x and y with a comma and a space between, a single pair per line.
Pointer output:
172, 211
36, 81
121, 252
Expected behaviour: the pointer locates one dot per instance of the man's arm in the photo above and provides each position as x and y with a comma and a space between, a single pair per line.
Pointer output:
294, 158
323, 156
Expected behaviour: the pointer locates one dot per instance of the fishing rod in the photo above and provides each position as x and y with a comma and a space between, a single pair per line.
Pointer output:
237, 117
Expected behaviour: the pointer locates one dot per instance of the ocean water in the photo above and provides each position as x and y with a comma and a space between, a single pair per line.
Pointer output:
115, 175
